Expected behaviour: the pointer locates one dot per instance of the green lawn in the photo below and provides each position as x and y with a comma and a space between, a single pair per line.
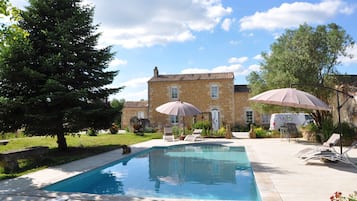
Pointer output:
79, 147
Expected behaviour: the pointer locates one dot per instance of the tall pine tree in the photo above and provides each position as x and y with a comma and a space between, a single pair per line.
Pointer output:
57, 76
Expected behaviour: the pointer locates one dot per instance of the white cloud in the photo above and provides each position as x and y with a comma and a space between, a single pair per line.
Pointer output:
134, 89
226, 24
115, 63
195, 70
234, 42
237, 60
294, 14
237, 69
347, 60
136, 23
258, 57
251, 68
136, 82
230, 68
131, 95
118, 62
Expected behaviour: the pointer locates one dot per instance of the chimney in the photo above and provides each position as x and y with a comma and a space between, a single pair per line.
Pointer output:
156, 72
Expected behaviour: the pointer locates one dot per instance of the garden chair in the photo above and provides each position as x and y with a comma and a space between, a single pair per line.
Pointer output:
168, 135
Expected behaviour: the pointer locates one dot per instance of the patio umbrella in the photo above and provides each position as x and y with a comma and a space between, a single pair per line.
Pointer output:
178, 108
290, 97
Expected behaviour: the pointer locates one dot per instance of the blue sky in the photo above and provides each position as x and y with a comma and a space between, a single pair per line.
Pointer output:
200, 36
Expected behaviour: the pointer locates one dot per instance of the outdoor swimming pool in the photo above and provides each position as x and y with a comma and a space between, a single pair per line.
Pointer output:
196, 171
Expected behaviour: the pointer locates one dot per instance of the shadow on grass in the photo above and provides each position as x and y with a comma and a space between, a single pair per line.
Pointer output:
55, 157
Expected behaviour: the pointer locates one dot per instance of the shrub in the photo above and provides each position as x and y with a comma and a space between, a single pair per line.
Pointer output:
240, 128
220, 132
114, 129
149, 130
202, 125
261, 133
176, 131
92, 132
311, 127
349, 133
327, 128
205, 132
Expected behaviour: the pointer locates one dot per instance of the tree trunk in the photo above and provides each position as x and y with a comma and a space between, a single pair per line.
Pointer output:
61, 141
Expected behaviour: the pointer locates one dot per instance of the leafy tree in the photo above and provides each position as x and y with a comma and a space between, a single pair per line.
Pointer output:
307, 57
11, 35
118, 106
57, 76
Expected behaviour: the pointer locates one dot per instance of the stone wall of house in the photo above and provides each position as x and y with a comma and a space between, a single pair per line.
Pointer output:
131, 109
196, 92
242, 104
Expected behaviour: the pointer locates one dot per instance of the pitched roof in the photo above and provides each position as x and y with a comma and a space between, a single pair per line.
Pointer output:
135, 104
196, 76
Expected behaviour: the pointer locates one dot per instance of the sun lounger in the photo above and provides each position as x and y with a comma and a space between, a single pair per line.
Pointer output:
331, 154
196, 135
332, 141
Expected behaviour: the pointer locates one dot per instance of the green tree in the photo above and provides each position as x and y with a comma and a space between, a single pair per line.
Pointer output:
306, 56
11, 35
57, 76
118, 106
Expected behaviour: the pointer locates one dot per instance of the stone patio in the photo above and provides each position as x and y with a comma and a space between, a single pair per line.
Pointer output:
280, 175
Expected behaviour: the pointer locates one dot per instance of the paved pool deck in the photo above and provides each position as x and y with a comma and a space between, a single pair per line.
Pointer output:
280, 175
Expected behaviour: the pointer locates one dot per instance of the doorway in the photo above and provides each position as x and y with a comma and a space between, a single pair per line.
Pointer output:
215, 119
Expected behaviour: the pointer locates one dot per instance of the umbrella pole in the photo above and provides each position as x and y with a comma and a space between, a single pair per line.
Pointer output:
339, 106
183, 125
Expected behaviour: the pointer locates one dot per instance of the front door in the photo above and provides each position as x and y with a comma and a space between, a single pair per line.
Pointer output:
215, 119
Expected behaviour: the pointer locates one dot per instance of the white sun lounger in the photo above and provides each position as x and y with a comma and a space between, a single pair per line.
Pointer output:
333, 155
327, 152
196, 135
332, 141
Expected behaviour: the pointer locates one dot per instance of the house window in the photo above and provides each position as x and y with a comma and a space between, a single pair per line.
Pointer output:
214, 91
174, 119
265, 118
249, 117
174, 93
141, 115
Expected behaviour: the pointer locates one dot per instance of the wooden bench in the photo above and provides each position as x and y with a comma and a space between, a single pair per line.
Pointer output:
4, 142
9, 160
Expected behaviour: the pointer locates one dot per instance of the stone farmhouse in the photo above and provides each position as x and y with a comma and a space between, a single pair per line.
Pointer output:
222, 103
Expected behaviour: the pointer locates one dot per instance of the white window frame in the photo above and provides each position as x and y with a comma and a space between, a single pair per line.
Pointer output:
265, 119
174, 119
214, 91
249, 115
173, 95
141, 114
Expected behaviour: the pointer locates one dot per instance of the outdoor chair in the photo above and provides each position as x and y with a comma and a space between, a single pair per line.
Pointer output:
332, 155
196, 135
332, 141
168, 135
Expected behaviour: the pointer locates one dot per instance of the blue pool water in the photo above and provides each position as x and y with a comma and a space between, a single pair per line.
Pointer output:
198, 171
